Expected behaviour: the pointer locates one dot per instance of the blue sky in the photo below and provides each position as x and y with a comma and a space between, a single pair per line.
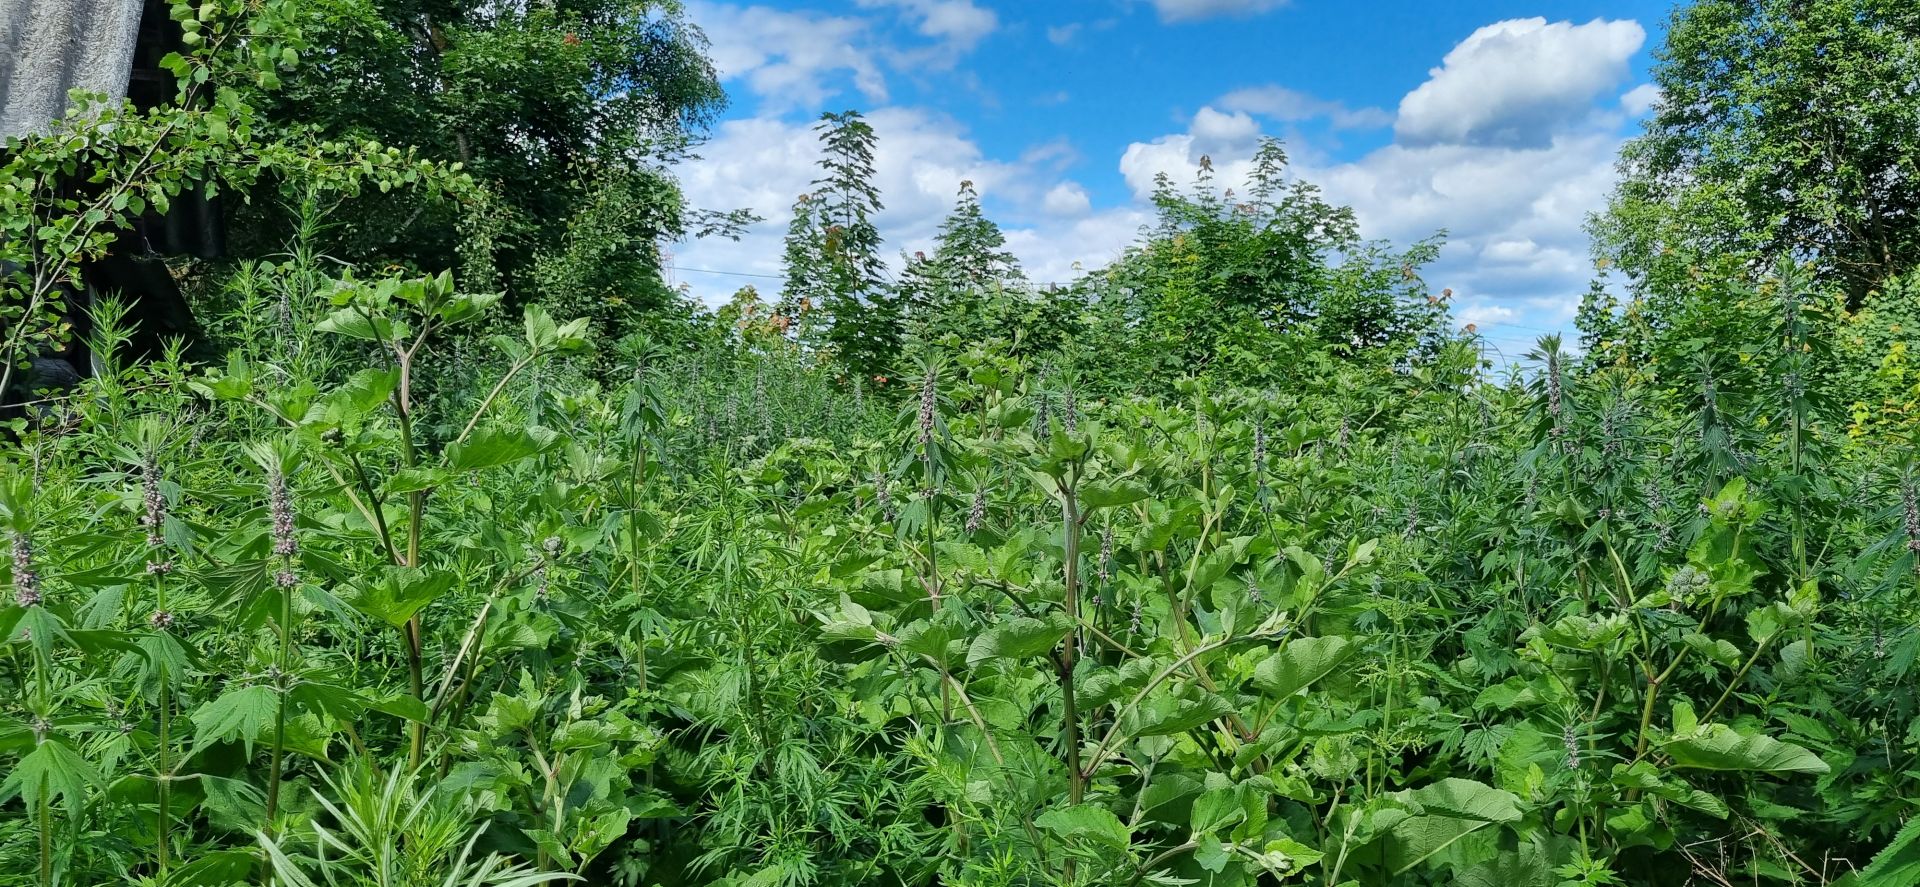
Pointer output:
1496, 120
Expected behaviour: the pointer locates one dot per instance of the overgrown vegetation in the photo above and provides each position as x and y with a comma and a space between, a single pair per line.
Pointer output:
1229, 564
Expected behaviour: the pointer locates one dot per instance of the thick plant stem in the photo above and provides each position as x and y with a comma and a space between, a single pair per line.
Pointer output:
1069, 652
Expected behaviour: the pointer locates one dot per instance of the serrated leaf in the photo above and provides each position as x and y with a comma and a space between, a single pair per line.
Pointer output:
244, 714
1898, 864
52, 772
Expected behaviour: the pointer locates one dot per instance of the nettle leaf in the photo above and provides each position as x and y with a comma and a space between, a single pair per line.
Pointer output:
244, 714
1720, 747
1301, 662
933, 638
493, 447
1019, 638
1086, 824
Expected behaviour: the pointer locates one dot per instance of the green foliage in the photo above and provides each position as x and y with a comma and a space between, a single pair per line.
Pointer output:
1227, 565
1783, 128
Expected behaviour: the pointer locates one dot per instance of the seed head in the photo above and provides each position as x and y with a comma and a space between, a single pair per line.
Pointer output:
154, 516
280, 504
1259, 447
883, 495
1105, 568
26, 582
1070, 411
1910, 506
929, 391
977, 515
1571, 739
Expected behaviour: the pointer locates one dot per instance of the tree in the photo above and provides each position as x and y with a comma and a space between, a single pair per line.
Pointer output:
949, 291
862, 315
804, 285
1243, 289
568, 110
1784, 128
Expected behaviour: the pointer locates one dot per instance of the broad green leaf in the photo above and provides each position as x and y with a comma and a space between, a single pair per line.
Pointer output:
1019, 638
356, 324
1166, 715
492, 447
1719, 747
1445, 812
1217, 809
1086, 823
1112, 495
1465, 799
1300, 662
1105, 685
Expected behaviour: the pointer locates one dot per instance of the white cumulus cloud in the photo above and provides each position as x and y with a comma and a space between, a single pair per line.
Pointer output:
957, 20
1066, 199
789, 58
1281, 103
1514, 83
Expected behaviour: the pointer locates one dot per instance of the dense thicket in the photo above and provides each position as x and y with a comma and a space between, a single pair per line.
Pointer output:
1227, 564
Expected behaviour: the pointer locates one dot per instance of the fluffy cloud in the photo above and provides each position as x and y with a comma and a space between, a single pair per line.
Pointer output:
1640, 99
958, 22
789, 57
1226, 139
1281, 103
1189, 10
1066, 199
800, 58
1515, 83
1511, 176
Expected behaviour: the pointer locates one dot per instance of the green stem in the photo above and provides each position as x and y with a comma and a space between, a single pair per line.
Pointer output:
280, 709
1737, 678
